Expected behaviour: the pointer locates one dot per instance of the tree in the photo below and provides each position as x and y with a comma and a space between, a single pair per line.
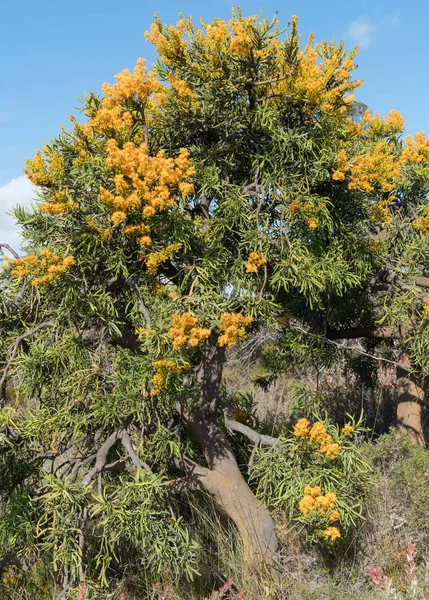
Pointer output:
230, 189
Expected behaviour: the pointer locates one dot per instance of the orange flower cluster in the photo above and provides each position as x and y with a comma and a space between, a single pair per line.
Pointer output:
162, 370
233, 327
415, 150
154, 259
255, 261
422, 222
169, 41
302, 428
425, 309
314, 501
331, 534
315, 504
322, 76
144, 184
45, 169
42, 269
317, 433
347, 430
137, 86
241, 42
185, 329
308, 211
376, 170
393, 123
58, 203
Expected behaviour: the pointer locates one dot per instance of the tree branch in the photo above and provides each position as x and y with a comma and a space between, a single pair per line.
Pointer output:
128, 447
360, 332
251, 434
142, 307
11, 250
101, 458
15, 350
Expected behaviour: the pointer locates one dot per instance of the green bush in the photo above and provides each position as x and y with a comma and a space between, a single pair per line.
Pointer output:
318, 475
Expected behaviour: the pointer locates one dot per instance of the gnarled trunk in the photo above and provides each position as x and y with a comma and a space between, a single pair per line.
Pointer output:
223, 478
224, 481
410, 397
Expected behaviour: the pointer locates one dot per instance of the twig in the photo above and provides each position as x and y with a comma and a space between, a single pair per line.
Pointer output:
11, 250
142, 307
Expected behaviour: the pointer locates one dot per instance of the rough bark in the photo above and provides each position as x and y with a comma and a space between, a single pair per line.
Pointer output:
410, 397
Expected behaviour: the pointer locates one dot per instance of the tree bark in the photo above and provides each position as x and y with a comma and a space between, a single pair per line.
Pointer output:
410, 397
224, 481
223, 478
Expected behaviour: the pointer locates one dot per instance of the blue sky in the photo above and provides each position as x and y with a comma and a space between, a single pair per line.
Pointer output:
52, 51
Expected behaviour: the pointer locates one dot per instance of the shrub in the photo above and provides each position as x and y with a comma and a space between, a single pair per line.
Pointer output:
318, 475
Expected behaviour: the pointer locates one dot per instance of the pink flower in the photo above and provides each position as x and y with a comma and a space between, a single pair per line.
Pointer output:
223, 590
411, 552
375, 573
82, 592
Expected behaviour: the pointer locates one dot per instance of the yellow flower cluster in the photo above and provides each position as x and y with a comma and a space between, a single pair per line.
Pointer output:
315, 503
308, 211
317, 433
255, 261
233, 327
314, 500
241, 42
169, 41
393, 123
154, 259
45, 169
42, 269
376, 170
347, 430
322, 77
162, 369
327, 447
422, 222
138, 86
425, 309
185, 329
302, 428
331, 534
144, 183
415, 150
58, 203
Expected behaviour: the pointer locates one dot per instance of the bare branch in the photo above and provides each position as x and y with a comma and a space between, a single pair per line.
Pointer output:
10, 249
360, 332
142, 307
128, 447
101, 459
16, 347
251, 434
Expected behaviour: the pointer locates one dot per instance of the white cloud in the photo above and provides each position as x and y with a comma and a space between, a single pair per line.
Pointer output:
18, 191
361, 30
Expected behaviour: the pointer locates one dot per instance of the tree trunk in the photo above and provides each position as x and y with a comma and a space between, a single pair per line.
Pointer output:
410, 397
231, 492
223, 478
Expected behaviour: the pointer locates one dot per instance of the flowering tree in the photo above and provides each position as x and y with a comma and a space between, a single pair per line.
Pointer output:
230, 189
